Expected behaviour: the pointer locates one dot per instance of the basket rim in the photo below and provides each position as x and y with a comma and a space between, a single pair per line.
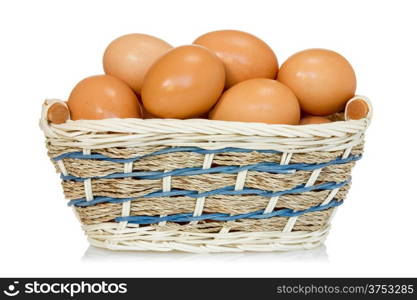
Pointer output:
199, 125
202, 133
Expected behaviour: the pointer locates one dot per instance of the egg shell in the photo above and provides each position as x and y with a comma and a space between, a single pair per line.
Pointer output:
322, 80
313, 120
244, 55
184, 83
147, 114
129, 57
58, 113
258, 100
102, 97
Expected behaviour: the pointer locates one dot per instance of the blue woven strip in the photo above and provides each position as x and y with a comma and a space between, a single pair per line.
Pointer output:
80, 155
226, 217
228, 190
260, 167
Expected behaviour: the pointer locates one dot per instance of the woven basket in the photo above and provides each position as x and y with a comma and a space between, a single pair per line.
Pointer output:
201, 185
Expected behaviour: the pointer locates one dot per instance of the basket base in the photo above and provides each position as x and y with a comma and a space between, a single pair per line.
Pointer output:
108, 236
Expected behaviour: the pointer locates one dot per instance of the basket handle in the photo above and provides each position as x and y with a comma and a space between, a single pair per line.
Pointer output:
358, 107
43, 122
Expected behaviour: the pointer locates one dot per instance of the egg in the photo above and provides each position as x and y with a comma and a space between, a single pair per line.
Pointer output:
322, 80
184, 83
58, 113
313, 120
147, 114
244, 55
258, 100
129, 57
101, 97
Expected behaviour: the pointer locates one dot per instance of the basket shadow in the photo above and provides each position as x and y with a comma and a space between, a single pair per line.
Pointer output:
94, 254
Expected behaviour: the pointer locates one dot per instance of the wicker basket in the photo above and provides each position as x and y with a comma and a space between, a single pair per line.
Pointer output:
204, 186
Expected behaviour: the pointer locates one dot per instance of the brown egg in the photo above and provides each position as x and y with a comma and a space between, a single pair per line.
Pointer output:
101, 97
205, 115
313, 120
129, 57
58, 113
147, 114
184, 83
258, 100
322, 80
244, 55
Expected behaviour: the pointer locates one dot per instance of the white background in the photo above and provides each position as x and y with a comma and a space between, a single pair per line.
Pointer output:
46, 47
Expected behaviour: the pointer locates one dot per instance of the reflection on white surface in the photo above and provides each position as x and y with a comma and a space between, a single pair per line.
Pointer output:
93, 254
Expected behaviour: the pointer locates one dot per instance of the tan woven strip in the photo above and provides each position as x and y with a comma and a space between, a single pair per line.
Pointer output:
214, 204
128, 187
170, 161
308, 222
